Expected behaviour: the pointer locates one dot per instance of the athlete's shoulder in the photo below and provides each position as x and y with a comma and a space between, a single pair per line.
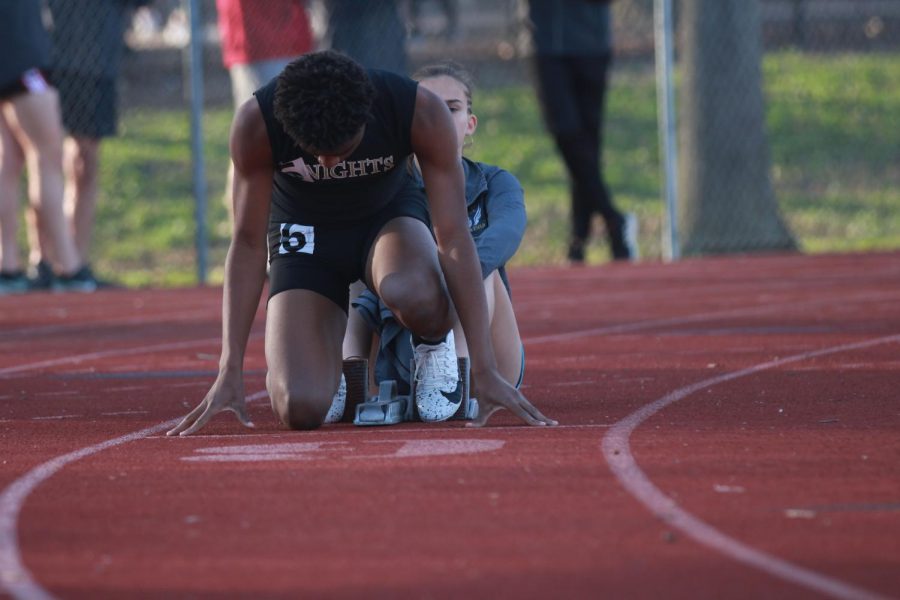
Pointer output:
496, 176
250, 145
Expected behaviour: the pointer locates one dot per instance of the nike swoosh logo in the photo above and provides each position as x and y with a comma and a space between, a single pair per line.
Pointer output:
454, 397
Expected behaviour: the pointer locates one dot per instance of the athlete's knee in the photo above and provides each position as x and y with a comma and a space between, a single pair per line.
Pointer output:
421, 304
297, 406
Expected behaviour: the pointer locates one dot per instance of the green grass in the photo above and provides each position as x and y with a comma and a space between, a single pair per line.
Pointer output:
832, 119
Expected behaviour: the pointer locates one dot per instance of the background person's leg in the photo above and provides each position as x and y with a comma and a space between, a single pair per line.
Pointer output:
34, 120
12, 162
304, 331
82, 162
590, 75
556, 87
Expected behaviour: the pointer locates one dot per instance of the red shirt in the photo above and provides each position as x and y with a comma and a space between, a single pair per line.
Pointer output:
253, 31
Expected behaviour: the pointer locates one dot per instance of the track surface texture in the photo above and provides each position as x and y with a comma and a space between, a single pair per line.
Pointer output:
729, 428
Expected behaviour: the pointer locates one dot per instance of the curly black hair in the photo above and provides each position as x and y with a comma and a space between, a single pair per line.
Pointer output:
322, 99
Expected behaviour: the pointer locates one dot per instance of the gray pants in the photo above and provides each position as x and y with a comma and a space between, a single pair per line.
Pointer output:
246, 79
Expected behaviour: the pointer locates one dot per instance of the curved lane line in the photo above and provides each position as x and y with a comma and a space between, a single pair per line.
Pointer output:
617, 451
15, 579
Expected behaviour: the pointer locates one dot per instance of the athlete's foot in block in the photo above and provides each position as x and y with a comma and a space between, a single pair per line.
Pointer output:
438, 387
336, 412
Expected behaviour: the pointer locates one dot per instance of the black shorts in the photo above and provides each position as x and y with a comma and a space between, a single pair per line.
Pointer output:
328, 258
89, 104
32, 81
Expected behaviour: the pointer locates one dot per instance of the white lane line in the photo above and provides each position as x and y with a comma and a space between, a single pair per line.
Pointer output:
78, 358
15, 579
617, 451
700, 317
430, 428
180, 315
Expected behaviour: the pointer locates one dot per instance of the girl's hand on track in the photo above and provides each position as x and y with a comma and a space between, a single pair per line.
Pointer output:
494, 393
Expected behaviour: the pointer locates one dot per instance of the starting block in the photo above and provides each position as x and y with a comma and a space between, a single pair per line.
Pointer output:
387, 408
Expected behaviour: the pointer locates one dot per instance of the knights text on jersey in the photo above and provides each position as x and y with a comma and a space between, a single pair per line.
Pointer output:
305, 191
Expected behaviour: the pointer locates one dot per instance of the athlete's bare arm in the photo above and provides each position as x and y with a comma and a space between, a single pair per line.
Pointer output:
435, 145
245, 265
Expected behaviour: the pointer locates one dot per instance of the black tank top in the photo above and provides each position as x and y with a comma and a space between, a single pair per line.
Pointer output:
307, 193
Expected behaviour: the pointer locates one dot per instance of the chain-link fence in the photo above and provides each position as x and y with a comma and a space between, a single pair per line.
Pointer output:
804, 152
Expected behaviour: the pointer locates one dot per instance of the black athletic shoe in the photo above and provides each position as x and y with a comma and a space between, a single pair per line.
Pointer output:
80, 281
575, 253
13, 282
41, 276
622, 234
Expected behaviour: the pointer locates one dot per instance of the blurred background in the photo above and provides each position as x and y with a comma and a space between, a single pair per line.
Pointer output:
822, 173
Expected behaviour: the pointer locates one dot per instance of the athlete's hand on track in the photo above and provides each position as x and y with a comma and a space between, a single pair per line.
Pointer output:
227, 393
494, 393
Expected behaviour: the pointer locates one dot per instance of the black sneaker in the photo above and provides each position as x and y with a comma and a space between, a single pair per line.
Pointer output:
13, 282
80, 281
575, 253
621, 234
41, 276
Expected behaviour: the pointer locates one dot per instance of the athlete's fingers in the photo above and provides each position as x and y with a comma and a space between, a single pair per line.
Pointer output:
523, 414
201, 421
537, 414
522, 408
185, 422
532, 411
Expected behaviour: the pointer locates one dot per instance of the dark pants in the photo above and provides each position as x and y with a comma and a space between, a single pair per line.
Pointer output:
572, 91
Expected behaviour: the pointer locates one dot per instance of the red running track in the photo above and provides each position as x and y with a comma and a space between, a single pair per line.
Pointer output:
729, 428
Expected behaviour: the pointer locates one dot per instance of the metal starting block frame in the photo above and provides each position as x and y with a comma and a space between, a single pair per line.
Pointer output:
387, 408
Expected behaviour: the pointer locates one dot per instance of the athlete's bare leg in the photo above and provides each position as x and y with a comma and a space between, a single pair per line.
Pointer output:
404, 271
82, 162
304, 331
504, 330
11, 164
358, 339
34, 122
